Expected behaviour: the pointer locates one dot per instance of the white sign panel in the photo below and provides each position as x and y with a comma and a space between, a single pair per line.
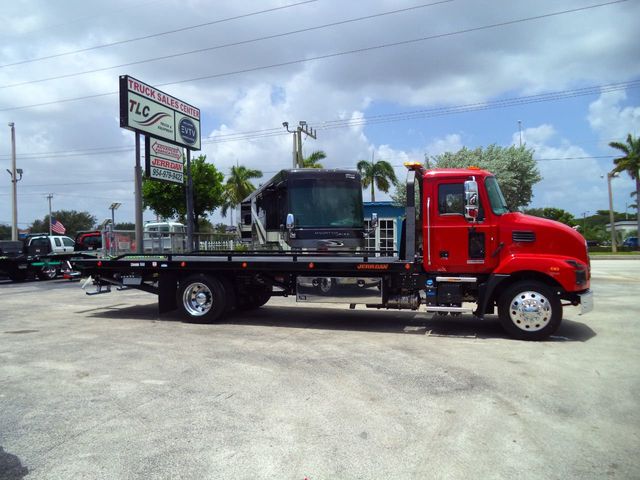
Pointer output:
148, 110
163, 160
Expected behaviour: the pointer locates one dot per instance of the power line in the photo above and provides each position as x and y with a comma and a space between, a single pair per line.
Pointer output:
226, 45
327, 56
369, 120
154, 35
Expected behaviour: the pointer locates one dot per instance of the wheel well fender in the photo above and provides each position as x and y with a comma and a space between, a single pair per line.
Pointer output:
491, 290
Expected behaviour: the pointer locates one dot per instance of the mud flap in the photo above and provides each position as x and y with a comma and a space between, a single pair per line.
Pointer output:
167, 291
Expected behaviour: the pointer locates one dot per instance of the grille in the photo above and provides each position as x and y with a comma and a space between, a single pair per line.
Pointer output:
523, 236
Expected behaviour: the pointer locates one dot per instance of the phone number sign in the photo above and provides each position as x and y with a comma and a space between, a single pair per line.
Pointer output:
163, 160
145, 109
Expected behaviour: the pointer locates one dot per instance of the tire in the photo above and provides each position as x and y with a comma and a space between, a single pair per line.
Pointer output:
255, 298
201, 299
530, 310
47, 273
18, 276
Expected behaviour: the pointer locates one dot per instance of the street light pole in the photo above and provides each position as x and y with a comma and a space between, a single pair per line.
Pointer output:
113, 207
614, 247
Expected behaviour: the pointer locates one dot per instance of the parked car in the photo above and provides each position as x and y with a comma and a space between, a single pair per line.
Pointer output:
41, 244
631, 242
162, 237
91, 240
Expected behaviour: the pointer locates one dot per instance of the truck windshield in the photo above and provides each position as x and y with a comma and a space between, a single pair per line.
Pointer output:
496, 199
326, 202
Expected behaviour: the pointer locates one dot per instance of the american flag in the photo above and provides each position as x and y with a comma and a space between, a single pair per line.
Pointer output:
57, 227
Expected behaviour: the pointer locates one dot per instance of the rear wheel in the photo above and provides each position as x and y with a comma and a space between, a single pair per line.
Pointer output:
47, 272
201, 298
253, 299
530, 310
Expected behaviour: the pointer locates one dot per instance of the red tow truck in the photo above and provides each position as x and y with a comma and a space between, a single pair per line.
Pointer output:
461, 245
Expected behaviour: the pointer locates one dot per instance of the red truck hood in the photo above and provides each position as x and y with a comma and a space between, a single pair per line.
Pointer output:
528, 234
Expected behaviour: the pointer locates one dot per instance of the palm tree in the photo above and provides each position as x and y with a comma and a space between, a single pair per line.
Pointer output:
630, 162
379, 174
313, 160
238, 187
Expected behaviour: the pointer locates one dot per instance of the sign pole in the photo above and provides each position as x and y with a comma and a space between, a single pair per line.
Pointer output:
189, 202
138, 195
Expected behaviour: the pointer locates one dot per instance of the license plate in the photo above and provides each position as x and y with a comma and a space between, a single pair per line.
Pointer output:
586, 302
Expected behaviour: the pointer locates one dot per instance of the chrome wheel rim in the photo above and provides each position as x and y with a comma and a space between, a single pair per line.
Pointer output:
49, 272
197, 299
325, 285
530, 311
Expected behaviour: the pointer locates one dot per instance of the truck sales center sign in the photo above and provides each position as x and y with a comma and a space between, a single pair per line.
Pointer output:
163, 160
145, 109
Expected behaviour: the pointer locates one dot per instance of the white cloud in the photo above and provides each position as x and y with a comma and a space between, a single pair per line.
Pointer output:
450, 143
577, 184
612, 121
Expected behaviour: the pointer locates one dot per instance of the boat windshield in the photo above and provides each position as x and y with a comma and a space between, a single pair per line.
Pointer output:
326, 202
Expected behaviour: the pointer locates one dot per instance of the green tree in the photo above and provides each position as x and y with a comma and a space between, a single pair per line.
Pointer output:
557, 214
238, 187
169, 199
630, 163
5, 232
376, 174
514, 167
313, 160
125, 226
72, 220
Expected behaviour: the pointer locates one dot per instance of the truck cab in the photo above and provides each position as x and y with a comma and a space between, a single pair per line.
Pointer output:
43, 243
472, 245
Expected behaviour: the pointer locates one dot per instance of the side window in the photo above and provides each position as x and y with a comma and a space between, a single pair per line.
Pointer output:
451, 199
67, 242
39, 242
58, 242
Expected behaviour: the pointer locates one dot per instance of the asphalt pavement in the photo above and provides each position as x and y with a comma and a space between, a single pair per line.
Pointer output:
103, 388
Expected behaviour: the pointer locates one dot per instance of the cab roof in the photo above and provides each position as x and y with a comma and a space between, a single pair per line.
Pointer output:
457, 172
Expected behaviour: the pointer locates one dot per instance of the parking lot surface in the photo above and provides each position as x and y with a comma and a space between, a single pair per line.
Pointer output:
103, 388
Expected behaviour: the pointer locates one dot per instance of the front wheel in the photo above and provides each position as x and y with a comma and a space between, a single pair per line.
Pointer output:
530, 310
201, 298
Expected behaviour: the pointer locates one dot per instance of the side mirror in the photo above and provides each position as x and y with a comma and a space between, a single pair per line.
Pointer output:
471, 204
373, 224
374, 221
290, 223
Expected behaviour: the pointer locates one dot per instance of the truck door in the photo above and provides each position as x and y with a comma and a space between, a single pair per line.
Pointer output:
67, 244
457, 245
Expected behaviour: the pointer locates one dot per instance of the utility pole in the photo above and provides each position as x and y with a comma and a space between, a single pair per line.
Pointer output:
297, 140
520, 130
14, 181
426, 160
49, 197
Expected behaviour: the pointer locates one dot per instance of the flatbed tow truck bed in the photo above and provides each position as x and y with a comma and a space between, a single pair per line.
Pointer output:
249, 279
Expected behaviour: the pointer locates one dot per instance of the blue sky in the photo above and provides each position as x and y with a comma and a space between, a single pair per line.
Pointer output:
380, 58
